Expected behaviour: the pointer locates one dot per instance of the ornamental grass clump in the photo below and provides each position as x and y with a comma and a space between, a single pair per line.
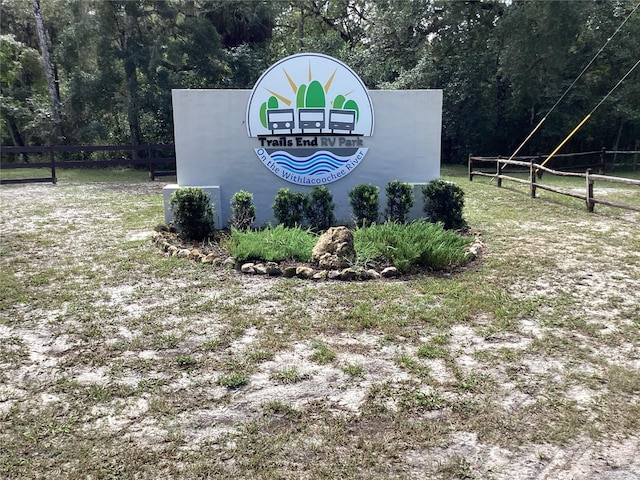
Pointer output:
420, 244
192, 213
272, 244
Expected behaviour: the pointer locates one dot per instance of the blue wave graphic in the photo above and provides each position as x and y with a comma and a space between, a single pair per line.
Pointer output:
321, 162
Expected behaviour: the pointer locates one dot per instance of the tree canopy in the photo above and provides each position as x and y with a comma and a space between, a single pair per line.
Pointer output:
501, 64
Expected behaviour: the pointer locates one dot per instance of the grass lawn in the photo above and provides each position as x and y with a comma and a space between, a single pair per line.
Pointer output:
119, 362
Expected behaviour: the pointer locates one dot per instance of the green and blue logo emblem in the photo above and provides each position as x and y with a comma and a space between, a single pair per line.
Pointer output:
310, 114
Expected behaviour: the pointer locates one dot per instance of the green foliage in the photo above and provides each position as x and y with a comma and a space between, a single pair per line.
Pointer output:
364, 202
192, 213
399, 201
289, 207
233, 380
114, 91
319, 208
416, 244
443, 202
186, 361
354, 370
435, 348
288, 375
243, 211
273, 244
322, 354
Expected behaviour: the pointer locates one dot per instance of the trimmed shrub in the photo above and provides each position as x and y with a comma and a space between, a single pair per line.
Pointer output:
243, 211
192, 213
364, 202
319, 209
443, 202
399, 201
289, 207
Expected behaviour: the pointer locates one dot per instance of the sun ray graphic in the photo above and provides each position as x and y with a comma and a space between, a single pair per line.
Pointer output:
286, 101
327, 85
293, 85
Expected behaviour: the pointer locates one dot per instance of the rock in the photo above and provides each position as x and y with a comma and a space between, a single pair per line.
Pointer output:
217, 262
475, 248
370, 274
248, 268
333, 275
209, 258
230, 263
273, 269
289, 272
260, 268
348, 274
334, 249
304, 272
321, 275
390, 272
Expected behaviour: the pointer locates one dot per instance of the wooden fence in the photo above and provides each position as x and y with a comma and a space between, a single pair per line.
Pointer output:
535, 171
160, 159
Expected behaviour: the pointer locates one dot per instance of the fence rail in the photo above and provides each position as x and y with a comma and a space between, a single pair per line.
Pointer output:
152, 156
536, 170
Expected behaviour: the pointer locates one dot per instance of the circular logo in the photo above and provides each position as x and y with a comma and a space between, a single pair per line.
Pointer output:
310, 113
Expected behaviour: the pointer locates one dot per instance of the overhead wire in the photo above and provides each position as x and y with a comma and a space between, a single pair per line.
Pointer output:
535, 129
584, 120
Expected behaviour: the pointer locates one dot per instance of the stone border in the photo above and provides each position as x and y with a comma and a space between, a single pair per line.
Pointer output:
163, 235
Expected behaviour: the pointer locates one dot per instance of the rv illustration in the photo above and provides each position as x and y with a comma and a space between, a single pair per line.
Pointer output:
311, 118
281, 119
344, 120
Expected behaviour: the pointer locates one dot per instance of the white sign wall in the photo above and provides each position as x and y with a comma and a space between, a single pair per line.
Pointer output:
218, 139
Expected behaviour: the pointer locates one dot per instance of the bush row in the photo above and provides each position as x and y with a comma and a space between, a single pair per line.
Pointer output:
443, 203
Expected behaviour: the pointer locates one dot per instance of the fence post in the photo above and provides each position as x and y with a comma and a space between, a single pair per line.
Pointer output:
52, 159
151, 172
539, 171
532, 179
603, 158
590, 202
498, 169
470, 168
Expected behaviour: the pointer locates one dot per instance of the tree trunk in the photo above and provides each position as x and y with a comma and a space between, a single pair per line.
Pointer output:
131, 79
16, 137
46, 60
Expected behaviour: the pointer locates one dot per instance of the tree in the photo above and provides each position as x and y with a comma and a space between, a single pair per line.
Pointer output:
501, 64
23, 92
46, 61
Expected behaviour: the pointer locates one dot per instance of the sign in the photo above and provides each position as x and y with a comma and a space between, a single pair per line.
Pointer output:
310, 114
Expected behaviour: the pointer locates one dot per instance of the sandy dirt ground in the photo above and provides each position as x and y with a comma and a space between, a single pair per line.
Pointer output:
592, 266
